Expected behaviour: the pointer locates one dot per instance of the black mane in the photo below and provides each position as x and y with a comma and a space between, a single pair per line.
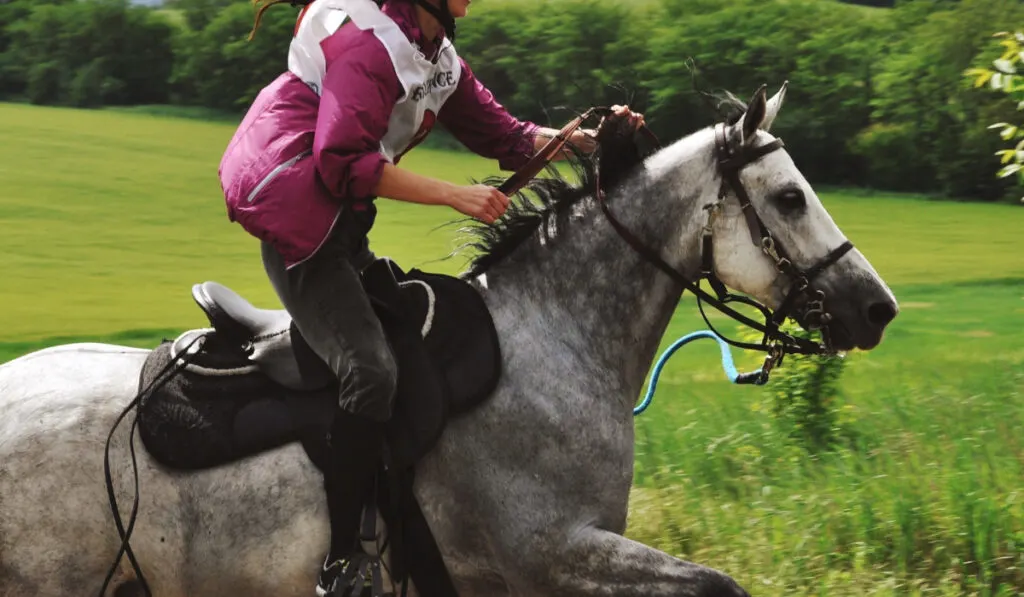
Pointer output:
619, 155
527, 210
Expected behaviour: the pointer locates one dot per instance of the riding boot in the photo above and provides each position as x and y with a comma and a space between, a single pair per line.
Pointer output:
356, 445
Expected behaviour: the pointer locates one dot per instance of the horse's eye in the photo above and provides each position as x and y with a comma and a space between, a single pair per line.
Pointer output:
790, 201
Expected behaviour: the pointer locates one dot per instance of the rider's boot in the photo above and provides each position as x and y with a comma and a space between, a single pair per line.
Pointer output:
356, 444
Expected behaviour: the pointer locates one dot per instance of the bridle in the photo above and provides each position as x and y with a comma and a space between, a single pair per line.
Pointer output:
730, 162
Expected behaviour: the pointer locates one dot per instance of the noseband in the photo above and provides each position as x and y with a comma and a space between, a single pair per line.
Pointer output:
729, 162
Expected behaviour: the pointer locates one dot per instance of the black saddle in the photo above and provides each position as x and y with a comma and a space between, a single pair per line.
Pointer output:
252, 383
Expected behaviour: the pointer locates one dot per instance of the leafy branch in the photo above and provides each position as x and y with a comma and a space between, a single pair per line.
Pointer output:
1004, 76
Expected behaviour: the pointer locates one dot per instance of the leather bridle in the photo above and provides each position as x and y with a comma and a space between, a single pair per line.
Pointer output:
730, 162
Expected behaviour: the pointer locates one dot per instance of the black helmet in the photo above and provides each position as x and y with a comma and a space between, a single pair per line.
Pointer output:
443, 15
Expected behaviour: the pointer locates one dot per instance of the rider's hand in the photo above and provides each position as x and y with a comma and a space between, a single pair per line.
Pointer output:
636, 120
479, 201
585, 140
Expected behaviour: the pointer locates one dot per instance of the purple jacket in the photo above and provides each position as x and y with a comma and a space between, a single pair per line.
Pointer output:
297, 157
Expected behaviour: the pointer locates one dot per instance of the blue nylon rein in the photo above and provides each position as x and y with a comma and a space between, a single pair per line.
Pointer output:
755, 377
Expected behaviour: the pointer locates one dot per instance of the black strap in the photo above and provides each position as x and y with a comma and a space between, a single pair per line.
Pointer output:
829, 260
125, 534
730, 163
414, 551
161, 378
799, 345
803, 279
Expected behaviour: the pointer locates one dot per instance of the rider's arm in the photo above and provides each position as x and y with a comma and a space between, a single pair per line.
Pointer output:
405, 185
585, 141
359, 92
484, 126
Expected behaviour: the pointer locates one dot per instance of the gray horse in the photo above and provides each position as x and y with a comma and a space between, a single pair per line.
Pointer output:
526, 495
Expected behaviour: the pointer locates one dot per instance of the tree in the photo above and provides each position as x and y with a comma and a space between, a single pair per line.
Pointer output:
89, 54
198, 13
927, 130
1003, 77
537, 57
218, 67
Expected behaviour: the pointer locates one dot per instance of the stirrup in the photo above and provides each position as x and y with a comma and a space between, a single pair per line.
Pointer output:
358, 575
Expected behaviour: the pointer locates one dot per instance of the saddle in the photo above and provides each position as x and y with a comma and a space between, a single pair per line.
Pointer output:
251, 383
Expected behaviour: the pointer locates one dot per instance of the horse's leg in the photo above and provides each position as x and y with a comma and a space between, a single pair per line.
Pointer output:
597, 562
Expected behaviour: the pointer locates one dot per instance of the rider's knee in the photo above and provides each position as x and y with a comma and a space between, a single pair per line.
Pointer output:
371, 384
380, 376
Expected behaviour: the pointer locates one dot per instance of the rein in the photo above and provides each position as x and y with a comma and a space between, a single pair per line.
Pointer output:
730, 162
175, 365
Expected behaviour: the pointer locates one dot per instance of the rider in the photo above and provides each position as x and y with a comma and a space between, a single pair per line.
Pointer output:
366, 82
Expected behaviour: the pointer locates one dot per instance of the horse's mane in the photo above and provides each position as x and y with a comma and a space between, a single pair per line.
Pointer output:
528, 209
618, 156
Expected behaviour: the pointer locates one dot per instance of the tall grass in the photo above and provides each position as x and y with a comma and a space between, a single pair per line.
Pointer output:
923, 495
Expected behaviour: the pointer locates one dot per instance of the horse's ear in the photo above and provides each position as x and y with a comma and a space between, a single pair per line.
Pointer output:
773, 107
743, 131
754, 116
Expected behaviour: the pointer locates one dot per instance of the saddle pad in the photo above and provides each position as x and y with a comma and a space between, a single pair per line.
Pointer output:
462, 341
221, 407
219, 410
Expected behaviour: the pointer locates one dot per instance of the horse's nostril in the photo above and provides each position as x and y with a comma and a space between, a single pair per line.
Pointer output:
881, 314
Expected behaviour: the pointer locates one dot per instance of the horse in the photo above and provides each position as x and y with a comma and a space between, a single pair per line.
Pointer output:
528, 493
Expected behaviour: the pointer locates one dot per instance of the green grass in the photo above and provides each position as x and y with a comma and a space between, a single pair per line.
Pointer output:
925, 492
110, 216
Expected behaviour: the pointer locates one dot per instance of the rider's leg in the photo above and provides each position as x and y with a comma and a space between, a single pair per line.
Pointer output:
327, 302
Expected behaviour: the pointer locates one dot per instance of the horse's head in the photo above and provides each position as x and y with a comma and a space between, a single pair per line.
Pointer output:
785, 238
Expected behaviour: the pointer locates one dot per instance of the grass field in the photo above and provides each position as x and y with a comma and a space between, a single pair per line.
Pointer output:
109, 217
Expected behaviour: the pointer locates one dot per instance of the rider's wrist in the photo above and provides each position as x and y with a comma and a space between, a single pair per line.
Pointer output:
444, 193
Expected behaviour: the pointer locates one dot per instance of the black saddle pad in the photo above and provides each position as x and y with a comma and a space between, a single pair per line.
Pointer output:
221, 408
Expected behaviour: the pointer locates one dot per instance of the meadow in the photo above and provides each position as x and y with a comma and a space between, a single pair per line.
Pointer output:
109, 217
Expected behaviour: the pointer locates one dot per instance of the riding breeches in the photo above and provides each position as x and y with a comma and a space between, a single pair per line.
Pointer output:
325, 298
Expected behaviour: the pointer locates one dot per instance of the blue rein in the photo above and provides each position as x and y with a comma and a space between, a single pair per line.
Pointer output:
755, 377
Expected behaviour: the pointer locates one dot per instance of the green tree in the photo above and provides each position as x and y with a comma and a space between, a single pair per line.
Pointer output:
199, 13
826, 50
218, 67
832, 87
925, 133
1003, 76
538, 57
90, 53
13, 72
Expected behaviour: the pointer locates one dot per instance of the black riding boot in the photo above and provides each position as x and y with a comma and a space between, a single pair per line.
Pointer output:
356, 444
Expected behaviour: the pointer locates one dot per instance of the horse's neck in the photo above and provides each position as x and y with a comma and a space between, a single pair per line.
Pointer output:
592, 292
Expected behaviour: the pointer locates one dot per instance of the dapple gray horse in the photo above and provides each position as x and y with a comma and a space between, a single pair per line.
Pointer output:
526, 495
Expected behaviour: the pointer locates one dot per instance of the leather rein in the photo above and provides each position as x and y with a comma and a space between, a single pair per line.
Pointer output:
775, 342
